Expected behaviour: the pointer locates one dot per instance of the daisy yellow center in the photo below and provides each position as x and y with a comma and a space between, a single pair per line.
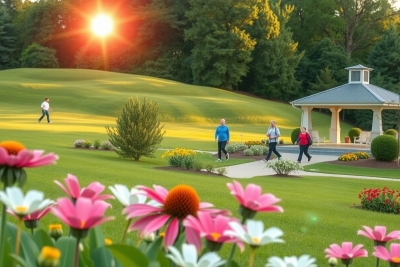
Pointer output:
162, 234
181, 201
215, 236
107, 241
55, 227
12, 147
395, 260
50, 253
256, 240
21, 209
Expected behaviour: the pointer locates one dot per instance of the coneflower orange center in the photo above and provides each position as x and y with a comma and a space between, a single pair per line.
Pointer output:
395, 260
181, 201
12, 147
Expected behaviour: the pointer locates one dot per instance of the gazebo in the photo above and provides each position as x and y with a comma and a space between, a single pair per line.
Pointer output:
358, 93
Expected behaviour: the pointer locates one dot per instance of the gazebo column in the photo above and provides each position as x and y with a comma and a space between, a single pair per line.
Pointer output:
334, 131
306, 119
376, 123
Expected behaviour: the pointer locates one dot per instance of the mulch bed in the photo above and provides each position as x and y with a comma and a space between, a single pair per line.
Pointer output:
368, 163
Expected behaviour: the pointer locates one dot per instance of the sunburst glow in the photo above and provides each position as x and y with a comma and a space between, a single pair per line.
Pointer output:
102, 25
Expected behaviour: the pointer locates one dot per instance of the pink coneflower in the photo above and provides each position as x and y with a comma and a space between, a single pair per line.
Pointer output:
74, 190
175, 205
378, 235
393, 257
211, 228
346, 252
252, 201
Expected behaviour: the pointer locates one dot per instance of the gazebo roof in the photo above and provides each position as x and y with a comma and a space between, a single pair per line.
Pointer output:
351, 94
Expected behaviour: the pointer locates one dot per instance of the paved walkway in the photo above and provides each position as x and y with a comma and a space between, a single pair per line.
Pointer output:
257, 168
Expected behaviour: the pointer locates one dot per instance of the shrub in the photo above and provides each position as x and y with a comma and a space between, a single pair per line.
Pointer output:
210, 167
241, 147
235, 147
222, 171
348, 157
248, 152
381, 200
384, 148
106, 145
391, 132
265, 150
138, 132
96, 144
258, 150
180, 157
361, 155
87, 144
281, 142
265, 142
79, 143
37, 56
253, 143
294, 135
284, 166
198, 166
354, 132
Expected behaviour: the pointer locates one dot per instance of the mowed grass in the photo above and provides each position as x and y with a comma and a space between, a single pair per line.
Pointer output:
318, 210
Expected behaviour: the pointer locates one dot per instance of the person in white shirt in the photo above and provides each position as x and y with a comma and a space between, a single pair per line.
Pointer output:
45, 110
272, 133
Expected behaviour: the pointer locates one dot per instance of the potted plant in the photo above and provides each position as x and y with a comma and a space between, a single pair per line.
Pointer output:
347, 139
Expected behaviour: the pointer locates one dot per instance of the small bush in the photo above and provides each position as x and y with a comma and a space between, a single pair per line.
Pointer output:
106, 145
248, 152
180, 157
265, 150
96, 144
87, 144
354, 132
284, 166
210, 167
265, 142
79, 143
198, 166
294, 135
281, 142
188, 162
348, 157
384, 148
361, 155
258, 150
381, 200
222, 171
253, 143
391, 132
241, 147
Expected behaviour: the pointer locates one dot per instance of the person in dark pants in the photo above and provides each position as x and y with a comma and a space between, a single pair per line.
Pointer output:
45, 110
222, 136
303, 141
272, 133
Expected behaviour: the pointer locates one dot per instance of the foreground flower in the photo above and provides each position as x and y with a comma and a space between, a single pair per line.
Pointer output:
82, 215
346, 252
302, 261
254, 235
92, 191
378, 235
252, 201
212, 228
49, 257
175, 205
189, 257
126, 197
392, 256
55, 231
21, 205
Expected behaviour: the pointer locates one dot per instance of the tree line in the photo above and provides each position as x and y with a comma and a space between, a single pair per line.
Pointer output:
276, 49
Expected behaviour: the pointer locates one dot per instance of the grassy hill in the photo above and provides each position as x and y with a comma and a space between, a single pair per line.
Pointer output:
84, 101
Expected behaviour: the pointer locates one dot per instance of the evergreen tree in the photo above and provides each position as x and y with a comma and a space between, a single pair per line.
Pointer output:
7, 41
222, 47
324, 81
138, 132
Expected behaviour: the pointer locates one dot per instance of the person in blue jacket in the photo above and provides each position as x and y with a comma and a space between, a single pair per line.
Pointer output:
222, 136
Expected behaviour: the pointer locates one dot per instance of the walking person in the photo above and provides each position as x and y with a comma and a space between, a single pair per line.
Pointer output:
222, 136
45, 110
273, 134
304, 140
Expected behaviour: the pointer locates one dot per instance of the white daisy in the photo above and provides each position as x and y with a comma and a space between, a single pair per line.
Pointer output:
302, 261
188, 258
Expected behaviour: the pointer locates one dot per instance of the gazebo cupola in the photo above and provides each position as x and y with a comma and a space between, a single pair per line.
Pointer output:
359, 74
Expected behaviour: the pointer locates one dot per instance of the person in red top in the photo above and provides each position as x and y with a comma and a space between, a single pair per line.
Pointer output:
302, 140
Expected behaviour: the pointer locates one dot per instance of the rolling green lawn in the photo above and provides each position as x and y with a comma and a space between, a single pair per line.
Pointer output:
318, 210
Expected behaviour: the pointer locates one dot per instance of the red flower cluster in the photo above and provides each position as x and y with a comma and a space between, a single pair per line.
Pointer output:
382, 200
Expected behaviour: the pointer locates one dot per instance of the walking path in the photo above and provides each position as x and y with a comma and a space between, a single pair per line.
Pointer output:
257, 168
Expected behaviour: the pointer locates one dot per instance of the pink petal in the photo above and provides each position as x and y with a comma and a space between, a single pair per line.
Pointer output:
392, 235
140, 224
3, 155
237, 191
45, 160
137, 210
95, 221
73, 184
152, 194
63, 188
252, 192
382, 253
104, 197
205, 205
171, 233
193, 237
156, 224
192, 222
395, 250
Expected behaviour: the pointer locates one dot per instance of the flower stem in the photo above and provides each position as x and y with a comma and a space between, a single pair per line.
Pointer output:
377, 262
3, 227
76, 258
229, 260
18, 241
125, 231
251, 257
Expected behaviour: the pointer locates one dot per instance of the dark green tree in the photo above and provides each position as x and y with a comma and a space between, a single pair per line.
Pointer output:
37, 56
222, 47
7, 41
323, 82
138, 132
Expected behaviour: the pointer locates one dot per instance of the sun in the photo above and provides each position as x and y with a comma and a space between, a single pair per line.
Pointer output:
102, 25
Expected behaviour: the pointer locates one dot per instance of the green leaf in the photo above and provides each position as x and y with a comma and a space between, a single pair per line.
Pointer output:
153, 249
22, 262
102, 257
128, 256
42, 239
96, 238
163, 260
28, 248
66, 245
7, 260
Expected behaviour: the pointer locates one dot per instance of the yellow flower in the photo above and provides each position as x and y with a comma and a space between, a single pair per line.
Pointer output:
49, 257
